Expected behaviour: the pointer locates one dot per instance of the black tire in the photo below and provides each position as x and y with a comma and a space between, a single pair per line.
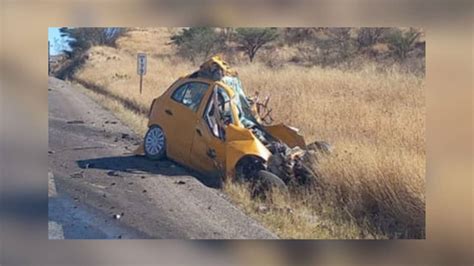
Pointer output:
271, 181
154, 143
247, 169
266, 184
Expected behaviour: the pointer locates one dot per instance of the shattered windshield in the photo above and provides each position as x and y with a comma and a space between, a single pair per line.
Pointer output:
245, 114
240, 100
235, 84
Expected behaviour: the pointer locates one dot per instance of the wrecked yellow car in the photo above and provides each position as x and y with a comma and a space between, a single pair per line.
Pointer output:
204, 121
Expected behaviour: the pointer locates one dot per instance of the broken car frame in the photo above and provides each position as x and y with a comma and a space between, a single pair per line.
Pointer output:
204, 121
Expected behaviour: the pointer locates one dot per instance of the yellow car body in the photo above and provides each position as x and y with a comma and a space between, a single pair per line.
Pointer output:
192, 139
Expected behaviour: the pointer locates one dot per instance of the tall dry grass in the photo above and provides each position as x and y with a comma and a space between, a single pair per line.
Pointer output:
376, 123
373, 183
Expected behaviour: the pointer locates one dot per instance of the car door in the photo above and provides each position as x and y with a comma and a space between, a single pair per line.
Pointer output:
208, 148
182, 116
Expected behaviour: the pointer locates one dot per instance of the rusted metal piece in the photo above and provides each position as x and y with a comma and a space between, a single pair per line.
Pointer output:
295, 165
264, 112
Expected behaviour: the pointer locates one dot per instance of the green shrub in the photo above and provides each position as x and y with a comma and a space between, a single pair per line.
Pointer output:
250, 40
401, 43
197, 43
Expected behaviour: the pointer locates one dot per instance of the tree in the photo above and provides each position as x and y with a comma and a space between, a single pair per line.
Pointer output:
293, 36
227, 33
333, 47
250, 40
197, 42
342, 42
367, 37
401, 43
60, 45
80, 40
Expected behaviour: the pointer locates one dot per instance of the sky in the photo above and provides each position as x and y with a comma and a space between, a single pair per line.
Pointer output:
55, 41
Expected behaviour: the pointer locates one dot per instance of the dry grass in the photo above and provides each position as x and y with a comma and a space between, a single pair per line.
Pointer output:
296, 217
373, 184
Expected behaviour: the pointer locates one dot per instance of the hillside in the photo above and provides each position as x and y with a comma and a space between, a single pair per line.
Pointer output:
373, 186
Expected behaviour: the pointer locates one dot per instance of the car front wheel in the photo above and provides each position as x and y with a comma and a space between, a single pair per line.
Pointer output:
155, 143
266, 184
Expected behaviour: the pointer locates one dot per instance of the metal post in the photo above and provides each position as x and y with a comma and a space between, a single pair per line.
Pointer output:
141, 68
141, 81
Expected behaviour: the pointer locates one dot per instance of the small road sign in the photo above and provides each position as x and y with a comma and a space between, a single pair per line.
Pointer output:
141, 64
141, 67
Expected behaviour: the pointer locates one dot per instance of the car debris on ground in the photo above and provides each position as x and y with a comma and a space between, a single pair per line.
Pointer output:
75, 122
118, 216
262, 208
79, 174
113, 173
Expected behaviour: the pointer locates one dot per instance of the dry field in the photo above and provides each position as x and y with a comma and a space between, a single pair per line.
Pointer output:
372, 186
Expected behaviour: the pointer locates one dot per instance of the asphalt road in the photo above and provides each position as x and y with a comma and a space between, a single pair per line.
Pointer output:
94, 177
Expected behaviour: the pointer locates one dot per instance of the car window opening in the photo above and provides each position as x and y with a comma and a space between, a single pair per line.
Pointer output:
219, 113
190, 94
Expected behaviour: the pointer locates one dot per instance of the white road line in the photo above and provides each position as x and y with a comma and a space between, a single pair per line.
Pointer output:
55, 230
51, 186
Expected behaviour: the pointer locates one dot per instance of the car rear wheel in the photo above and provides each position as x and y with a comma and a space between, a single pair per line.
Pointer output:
155, 143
